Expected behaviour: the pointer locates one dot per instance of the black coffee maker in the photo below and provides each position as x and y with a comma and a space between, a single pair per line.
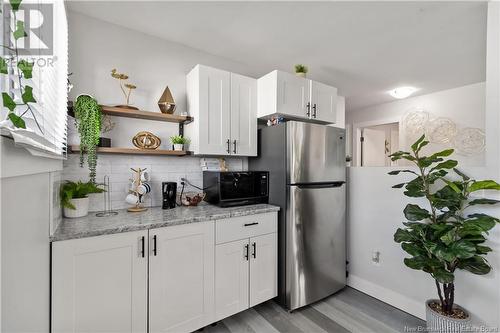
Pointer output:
169, 192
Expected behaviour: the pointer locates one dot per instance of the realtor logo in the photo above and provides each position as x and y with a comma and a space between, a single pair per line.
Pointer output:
38, 25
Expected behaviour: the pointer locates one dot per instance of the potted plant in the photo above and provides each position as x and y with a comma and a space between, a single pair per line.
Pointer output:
88, 121
179, 141
301, 70
446, 235
74, 197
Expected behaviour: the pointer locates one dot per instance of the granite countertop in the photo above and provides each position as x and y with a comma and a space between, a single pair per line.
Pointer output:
154, 217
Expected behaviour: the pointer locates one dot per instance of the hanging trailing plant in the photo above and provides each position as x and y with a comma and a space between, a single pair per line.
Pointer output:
21, 70
88, 122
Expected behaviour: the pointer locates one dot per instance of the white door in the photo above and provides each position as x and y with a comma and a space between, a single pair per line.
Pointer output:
324, 102
293, 96
214, 111
181, 277
263, 268
243, 115
231, 278
373, 147
99, 284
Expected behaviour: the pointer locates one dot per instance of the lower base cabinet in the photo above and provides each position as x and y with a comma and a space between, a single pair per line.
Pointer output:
263, 268
172, 279
181, 277
231, 278
245, 269
99, 284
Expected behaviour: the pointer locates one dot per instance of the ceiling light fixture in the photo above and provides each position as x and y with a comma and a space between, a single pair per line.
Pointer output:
402, 92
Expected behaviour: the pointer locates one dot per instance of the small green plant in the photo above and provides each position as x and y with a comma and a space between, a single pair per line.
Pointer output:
179, 140
22, 71
77, 190
446, 236
299, 68
88, 121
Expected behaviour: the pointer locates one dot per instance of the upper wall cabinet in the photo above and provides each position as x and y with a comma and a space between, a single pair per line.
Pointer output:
224, 107
293, 97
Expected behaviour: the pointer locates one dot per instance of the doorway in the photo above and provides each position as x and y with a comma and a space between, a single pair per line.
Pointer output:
377, 143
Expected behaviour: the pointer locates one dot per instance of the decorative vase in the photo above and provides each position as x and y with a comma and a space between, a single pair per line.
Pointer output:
81, 208
300, 74
178, 146
439, 323
166, 102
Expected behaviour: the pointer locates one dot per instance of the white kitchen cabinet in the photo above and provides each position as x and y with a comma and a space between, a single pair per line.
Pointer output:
231, 278
171, 279
208, 92
292, 97
281, 93
99, 284
263, 268
181, 277
224, 108
246, 263
243, 115
323, 102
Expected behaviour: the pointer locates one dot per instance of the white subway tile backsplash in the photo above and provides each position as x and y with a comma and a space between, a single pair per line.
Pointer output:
160, 168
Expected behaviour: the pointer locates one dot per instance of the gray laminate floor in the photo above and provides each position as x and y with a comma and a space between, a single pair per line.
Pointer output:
346, 311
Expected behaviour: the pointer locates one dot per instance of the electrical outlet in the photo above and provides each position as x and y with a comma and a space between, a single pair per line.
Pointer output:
376, 257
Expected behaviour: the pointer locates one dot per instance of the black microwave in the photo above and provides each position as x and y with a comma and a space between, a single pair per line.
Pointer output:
228, 188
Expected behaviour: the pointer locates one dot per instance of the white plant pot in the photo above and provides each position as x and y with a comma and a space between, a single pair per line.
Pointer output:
178, 146
82, 208
300, 74
437, 323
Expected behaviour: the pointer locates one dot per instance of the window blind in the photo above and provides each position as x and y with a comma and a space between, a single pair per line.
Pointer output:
49, 83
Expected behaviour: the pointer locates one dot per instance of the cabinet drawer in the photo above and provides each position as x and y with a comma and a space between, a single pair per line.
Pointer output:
235, 228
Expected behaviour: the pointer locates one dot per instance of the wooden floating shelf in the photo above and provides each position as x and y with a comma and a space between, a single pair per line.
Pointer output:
139, 114
134, 151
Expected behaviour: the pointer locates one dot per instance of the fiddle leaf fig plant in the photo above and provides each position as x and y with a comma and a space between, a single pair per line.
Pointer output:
449, 233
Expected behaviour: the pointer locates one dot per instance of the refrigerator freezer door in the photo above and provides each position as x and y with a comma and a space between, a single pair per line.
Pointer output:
316, 247
316, 153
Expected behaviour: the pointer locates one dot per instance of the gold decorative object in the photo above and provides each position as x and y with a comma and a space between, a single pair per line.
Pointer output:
166, 102
146, 140
125, 87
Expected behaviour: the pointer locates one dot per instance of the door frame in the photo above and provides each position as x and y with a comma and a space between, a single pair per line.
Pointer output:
357, 131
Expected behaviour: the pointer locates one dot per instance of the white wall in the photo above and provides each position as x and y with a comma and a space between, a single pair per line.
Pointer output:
463, 105
375, 209
161, 169
95, 48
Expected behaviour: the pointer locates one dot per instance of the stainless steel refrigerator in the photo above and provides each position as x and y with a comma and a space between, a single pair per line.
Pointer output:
307, 180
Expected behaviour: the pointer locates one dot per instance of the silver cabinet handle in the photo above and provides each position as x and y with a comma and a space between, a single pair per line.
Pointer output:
228, 146
308, 107
254, 246
314, 110
234, 144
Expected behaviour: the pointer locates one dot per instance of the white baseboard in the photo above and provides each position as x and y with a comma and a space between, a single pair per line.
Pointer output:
388, 296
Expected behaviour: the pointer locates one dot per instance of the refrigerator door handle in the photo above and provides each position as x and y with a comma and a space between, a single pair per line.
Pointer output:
319, 185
